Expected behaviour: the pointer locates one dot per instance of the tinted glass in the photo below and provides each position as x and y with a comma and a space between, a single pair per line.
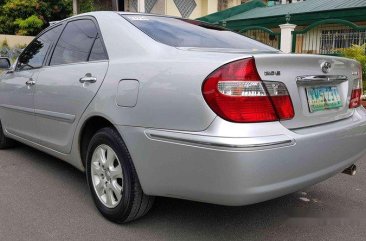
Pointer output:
75, 42
189, 33
97, 52
34, 55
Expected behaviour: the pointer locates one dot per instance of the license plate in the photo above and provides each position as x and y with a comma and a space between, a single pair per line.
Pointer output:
323, 98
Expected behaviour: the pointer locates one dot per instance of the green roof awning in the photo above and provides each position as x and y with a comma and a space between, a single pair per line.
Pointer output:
302, 13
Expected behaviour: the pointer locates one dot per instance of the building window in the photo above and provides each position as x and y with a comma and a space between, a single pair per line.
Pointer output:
185, 7
149, 5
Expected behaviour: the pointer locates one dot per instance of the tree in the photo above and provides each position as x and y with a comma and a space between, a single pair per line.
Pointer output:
29, 26
29, 17
87, 6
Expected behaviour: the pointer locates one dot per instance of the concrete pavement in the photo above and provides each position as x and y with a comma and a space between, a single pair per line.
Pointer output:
43, 198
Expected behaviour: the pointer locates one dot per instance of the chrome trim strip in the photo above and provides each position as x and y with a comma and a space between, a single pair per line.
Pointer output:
18, 108
221, 142
55, 116
321, 79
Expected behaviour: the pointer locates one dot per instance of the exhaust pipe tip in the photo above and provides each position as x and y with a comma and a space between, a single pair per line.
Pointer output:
351, 170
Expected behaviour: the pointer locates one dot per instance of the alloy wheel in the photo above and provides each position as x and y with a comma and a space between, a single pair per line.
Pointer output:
107, 176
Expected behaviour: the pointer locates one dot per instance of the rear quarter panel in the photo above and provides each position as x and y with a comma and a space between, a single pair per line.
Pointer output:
169, 95
170, 79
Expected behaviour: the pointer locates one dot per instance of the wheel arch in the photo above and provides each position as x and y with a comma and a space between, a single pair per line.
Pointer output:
88, 129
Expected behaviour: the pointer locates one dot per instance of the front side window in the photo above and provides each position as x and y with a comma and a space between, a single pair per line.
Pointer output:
76, 43
178, 32
34, 55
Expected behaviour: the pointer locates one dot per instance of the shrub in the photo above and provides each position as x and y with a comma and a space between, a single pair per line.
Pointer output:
5, 44
29, 26
358, 52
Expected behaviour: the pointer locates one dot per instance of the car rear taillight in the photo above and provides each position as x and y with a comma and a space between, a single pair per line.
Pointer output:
281, 99
356, 91
236, 93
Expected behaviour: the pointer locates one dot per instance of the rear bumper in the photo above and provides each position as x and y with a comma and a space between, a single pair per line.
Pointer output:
237, 170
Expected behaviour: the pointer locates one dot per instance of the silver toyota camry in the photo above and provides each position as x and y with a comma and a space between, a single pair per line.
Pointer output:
151, 105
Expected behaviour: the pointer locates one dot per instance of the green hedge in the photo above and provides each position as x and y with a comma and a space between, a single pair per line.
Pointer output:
358, 52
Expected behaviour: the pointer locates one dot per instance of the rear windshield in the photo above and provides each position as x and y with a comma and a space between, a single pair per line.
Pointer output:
178, 32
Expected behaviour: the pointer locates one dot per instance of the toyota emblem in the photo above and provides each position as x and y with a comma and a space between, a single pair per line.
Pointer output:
326, 66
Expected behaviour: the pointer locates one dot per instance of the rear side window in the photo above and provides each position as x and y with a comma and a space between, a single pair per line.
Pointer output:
190, 33
97, 52
76, 43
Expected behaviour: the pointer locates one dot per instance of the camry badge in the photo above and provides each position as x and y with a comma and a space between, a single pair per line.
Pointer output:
272, 73
326, 66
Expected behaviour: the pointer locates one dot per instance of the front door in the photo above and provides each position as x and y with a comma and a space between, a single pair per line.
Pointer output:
65, 88
17, 88
16, 108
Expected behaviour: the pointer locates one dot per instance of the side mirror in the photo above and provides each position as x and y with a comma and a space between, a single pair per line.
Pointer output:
5, 63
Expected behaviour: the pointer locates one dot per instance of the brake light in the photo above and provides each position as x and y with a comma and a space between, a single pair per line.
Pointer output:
356, 91
236, 93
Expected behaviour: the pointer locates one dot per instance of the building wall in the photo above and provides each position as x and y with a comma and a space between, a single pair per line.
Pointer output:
202, 8
168, 7
233, 3
15, 40
165, 7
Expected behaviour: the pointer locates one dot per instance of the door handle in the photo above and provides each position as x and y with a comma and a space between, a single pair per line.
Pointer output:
30, 82
88, 78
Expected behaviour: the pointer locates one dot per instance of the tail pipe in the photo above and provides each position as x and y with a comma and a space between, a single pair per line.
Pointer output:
351, 170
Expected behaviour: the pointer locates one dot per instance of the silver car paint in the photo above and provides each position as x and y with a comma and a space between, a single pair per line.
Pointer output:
305, 65
57, 112
238, 176
179, 146
16, 101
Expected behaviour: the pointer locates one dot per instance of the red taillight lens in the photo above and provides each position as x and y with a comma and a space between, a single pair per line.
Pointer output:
236, 93
281, 100
356, 91
355, 98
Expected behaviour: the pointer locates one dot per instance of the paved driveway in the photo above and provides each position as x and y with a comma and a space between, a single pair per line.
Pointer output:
42, 198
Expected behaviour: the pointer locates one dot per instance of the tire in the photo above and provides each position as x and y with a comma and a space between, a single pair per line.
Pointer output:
116, 175
5, 142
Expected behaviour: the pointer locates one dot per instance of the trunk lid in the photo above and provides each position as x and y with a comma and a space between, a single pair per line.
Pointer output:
305, 77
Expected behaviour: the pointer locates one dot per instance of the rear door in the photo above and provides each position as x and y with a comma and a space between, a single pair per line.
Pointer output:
17, 87
65, 88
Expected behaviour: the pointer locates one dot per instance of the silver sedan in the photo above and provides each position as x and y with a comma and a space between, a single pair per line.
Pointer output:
159, 106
